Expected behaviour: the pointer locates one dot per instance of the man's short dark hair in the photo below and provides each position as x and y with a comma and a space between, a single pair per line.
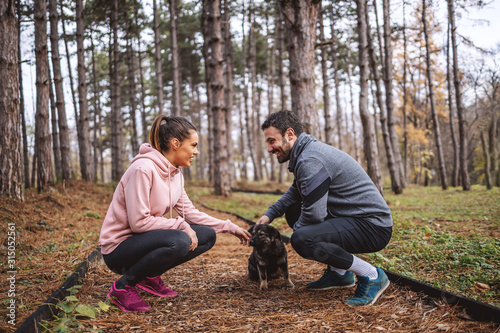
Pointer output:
284, 120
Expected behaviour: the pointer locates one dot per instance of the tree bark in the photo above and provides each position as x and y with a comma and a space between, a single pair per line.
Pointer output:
462, 122
117, 167
26, 164
326, 88
369, 136
221, 174
11, 179
97, 120
84, 135
393, 170
336, 80
253, 119
456, 156
228, 89
64, 138
435, 119
55, 135
134, 142
70, 68
487, 167
207, 55
300, 23
176, 74
389, 100
45, 171
159, 73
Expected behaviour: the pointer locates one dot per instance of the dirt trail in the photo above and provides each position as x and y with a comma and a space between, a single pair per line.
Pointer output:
216, 296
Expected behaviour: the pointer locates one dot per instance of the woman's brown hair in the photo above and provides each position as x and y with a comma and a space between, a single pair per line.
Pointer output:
165, 128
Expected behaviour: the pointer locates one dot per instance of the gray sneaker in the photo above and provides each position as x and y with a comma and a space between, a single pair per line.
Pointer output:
332, 279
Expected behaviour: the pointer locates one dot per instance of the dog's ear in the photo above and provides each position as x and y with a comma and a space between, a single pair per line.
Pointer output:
276, 234
251, 229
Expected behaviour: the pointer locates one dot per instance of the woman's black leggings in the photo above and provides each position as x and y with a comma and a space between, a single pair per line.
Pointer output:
334, 240
154, 252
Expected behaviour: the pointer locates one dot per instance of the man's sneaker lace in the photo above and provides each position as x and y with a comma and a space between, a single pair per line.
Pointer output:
156, 287
332, 279
368, 291
127, 299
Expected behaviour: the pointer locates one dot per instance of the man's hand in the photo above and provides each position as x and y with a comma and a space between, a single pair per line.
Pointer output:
194, 240
264, 220
243, 235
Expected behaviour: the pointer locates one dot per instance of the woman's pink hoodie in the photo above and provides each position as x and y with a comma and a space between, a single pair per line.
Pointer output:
150, 188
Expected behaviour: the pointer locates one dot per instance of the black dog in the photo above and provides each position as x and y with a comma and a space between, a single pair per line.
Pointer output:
268, 259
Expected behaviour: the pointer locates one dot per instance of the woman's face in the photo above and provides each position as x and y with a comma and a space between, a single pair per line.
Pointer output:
185, 152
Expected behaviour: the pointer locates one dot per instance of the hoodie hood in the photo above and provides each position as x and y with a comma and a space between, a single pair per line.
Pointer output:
302, 141
162, 164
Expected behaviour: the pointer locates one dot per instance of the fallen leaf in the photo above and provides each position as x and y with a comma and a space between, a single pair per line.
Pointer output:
482, 286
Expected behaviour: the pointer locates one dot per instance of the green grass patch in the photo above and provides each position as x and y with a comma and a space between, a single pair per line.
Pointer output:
448, 239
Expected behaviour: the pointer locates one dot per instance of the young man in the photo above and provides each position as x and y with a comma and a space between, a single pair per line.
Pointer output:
333, 207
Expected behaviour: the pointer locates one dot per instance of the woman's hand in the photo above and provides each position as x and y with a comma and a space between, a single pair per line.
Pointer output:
243, 235
194, 240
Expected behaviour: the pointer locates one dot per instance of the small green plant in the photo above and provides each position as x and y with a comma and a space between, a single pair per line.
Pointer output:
95, 215
71, 313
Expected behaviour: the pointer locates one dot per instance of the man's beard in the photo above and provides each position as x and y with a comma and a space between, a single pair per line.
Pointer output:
284, 152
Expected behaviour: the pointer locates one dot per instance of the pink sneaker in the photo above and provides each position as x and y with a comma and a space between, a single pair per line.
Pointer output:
128, 299
156, 287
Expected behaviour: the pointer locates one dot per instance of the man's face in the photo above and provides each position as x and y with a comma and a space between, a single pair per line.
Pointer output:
277, 144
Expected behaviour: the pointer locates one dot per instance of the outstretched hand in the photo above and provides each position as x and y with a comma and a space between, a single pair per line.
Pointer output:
243, 235
264, 220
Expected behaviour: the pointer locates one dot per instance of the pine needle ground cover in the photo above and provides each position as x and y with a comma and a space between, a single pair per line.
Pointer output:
56, 231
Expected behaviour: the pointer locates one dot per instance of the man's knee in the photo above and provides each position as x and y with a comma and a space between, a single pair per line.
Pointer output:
300, 244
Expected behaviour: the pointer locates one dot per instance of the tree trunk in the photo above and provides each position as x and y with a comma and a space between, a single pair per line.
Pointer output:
405, 96
221, 174
435, 119
159, 73
487, 167
42, 133
336, 80
351, 102
26, 164
389, 100
456, 157
253, 120
134, 144
281, 80
141, 76
206, 55
270, 72
176, 74
326, 88
248, 121
84, 135
300, 22
393, 170
97, 119
462, 122
70, 68
369, 136
11, 179
116, 116
228, 89
494, 82
55, 135
64, 138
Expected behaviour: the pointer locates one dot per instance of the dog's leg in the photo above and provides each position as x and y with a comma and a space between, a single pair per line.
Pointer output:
286, 278
263, 277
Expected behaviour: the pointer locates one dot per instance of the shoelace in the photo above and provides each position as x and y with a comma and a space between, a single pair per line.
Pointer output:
362, 289
133, 295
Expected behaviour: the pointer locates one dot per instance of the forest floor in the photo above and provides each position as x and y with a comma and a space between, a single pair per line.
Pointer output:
56, 231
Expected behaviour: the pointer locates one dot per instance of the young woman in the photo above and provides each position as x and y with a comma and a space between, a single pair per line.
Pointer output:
136, 240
